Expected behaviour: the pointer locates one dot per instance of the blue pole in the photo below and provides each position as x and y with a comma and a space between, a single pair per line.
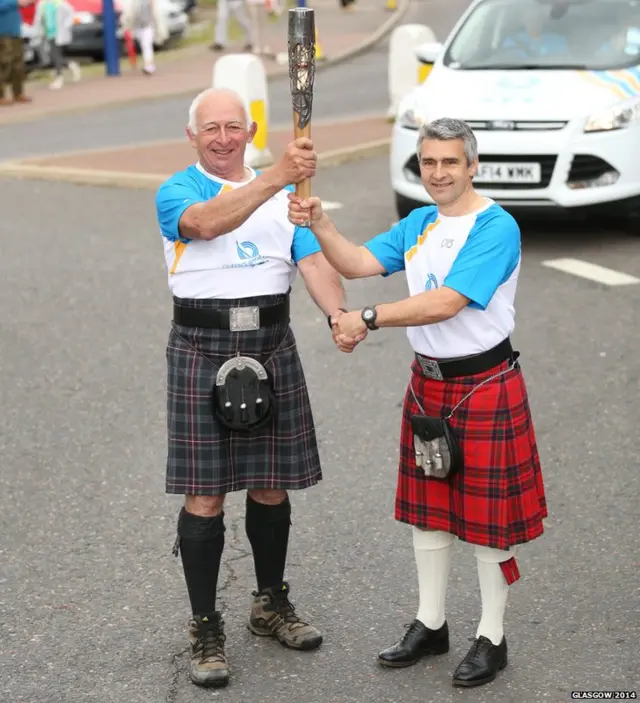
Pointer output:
302, 3
111, 48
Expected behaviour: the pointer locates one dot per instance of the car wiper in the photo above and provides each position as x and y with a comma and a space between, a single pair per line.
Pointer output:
526, 67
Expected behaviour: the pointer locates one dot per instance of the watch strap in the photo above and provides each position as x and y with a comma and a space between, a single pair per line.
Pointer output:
371, 324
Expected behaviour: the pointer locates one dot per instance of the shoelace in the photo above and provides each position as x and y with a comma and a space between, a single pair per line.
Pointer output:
286, 610
411, 628
478, 644
210, 645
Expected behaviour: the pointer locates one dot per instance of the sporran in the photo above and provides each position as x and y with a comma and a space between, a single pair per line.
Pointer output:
437, 448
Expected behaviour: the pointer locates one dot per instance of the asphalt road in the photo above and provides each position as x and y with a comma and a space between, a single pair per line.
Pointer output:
94, 606
358, 87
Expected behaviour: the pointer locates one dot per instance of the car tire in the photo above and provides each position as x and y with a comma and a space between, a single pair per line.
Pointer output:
632, 219
405, 205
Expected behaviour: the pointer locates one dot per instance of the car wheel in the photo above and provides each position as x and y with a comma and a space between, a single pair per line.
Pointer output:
632, 220
405, 205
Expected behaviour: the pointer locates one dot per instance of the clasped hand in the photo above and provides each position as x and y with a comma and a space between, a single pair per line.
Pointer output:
347, 330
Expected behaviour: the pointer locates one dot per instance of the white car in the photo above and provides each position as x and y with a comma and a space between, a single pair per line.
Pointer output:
551, 89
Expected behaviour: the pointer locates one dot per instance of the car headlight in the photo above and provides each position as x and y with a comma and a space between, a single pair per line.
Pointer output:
617, 117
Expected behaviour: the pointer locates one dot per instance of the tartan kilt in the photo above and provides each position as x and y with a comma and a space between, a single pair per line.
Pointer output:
498, 499
206, 458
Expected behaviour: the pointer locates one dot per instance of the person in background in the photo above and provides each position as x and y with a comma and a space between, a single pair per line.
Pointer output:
143, 19
12, 51
535, 40
53, 24
237, 8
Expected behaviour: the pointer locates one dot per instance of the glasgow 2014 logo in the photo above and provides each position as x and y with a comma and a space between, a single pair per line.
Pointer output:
432, 282
249, 255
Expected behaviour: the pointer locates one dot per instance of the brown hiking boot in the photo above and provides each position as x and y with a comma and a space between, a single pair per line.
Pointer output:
208, 662
273, 615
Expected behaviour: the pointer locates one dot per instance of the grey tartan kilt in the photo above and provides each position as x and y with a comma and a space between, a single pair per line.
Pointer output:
203, 456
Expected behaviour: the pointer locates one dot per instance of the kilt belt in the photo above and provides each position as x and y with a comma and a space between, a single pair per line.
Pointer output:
439, 369
236, 319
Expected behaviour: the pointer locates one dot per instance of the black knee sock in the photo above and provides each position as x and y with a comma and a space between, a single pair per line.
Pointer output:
201, 546
267, 528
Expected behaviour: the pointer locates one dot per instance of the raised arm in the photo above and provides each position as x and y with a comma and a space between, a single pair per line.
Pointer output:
230, 208
349, 259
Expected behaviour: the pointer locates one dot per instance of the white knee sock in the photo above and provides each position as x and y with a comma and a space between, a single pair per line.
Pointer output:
433, 552
494, 590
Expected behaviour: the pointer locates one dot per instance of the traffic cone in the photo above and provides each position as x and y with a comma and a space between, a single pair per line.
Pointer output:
319, 52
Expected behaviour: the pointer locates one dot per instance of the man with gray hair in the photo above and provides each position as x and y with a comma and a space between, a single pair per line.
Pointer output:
469, 467
238, 411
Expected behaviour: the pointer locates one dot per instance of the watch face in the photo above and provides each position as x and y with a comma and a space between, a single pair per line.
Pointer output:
368, 314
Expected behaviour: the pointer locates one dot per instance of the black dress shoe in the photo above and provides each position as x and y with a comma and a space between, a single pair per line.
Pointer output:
482, 663
417, 642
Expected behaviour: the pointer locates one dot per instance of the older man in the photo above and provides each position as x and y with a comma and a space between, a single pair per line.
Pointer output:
469, 466
239, 416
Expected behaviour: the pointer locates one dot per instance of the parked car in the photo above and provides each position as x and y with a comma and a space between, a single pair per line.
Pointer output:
552, 92
88, 30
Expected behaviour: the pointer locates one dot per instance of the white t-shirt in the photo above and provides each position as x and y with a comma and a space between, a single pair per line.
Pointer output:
477, 255
258, 258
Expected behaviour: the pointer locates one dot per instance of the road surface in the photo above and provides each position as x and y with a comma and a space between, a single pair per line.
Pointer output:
94, 606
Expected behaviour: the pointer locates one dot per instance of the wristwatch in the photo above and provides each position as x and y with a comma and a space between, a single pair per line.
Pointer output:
369, 316
329, 317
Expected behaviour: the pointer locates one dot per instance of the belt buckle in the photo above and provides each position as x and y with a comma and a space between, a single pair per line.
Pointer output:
244, 319
431, 368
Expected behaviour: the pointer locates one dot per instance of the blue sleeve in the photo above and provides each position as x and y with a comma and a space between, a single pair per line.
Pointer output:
487, 259
173, 198
304, 244
388, 248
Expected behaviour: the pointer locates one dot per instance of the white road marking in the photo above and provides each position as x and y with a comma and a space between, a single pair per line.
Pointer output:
330, 205
593, 272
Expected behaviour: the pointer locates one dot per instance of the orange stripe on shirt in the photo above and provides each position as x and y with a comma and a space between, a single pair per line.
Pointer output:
421, 239
180, 247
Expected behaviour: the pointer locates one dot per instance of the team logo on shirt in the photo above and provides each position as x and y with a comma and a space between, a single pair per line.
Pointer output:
249, 255
432, 282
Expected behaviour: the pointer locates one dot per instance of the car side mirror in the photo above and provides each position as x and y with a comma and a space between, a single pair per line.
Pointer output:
428, 53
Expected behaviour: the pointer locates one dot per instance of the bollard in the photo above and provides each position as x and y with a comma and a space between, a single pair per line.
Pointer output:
110, 38
319, 52
392, 5
245, 74
405, 71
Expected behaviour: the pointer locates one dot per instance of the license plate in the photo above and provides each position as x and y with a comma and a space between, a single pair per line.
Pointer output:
508, 173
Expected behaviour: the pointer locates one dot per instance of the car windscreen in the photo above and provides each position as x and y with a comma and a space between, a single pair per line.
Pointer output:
548, 34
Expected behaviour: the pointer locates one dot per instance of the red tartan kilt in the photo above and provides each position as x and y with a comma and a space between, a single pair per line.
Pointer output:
498, 499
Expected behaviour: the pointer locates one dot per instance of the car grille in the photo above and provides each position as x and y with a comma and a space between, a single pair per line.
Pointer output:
587, 168
518, 125
547, 164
